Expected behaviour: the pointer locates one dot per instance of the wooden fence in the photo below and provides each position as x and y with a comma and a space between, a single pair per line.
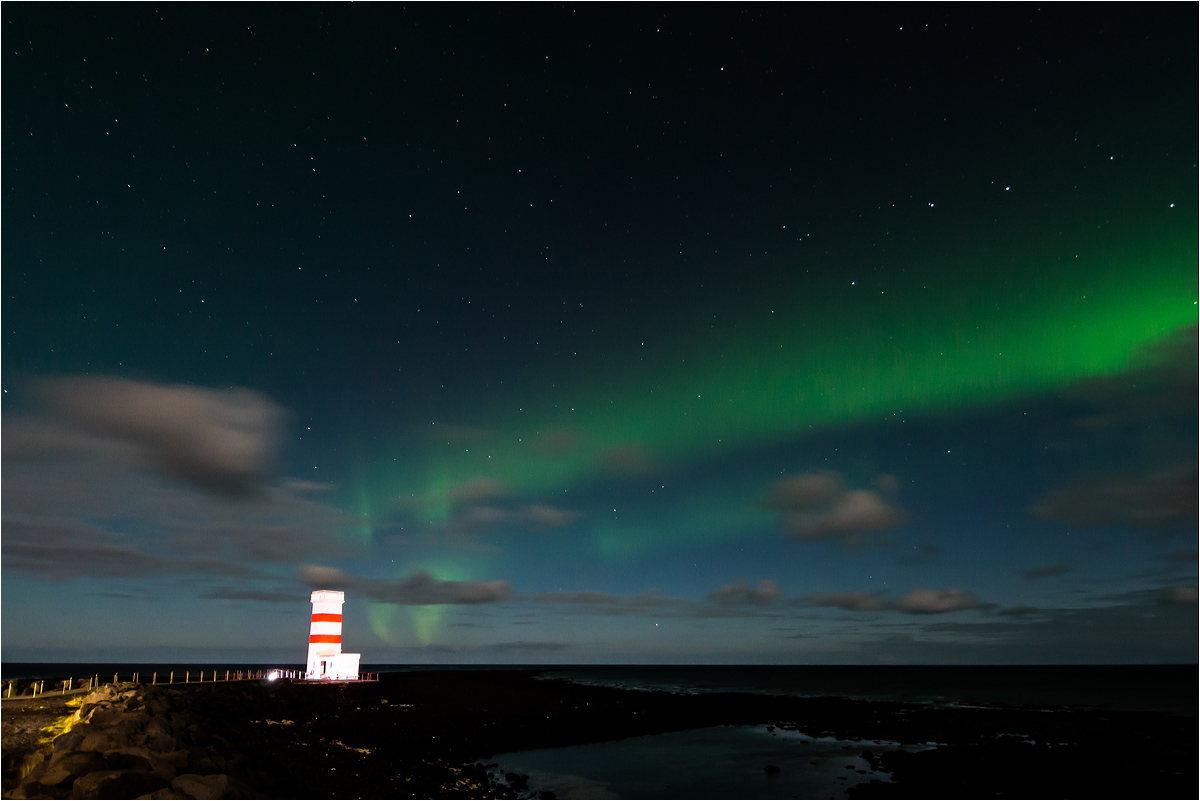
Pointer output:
68, 685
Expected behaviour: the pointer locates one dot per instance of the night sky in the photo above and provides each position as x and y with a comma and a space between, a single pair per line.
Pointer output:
552, 334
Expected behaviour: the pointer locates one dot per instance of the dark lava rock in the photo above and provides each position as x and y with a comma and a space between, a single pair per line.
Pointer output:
771, 768
164, 793
128, 759
115, 784
71, 740
69, 766
213, 786
517, 782
35, 790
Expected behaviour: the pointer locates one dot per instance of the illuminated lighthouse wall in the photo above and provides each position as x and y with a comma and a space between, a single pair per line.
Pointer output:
325, 657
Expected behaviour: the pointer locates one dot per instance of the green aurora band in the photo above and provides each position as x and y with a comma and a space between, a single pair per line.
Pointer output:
922, 352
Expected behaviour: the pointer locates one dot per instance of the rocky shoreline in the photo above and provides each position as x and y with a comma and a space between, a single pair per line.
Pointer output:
430, 734
132, 741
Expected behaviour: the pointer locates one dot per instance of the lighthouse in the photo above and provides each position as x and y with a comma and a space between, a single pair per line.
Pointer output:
325, 657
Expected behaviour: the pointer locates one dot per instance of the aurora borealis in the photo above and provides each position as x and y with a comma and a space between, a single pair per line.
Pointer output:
601, 334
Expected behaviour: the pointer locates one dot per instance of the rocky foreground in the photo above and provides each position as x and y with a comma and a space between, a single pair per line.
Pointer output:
430, 734
135, 741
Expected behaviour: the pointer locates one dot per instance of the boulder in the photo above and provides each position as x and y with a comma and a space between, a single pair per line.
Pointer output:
68, 766
165, 792
36, 790
33, 768
119, 735
115, 784
137, 759
69, 741
106, 716
177, 760
163, 768
158, 729
197, 786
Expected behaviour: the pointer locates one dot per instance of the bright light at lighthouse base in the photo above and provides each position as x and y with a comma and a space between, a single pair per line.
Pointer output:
273, 675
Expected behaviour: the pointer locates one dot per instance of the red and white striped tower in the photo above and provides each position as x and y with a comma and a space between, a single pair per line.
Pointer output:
325, 632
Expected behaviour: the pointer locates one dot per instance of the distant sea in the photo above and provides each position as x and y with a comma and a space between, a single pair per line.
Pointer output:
1152, 688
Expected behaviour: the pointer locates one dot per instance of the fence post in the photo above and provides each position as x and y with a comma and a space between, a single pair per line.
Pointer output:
172, 677
154, 677
187, 677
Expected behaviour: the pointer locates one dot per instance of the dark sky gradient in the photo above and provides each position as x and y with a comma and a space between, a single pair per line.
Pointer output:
781, 333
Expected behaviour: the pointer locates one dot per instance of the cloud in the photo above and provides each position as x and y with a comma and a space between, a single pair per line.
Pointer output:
482, 503
816, 506
850, 601
1142, 627
1147, 501
418, 589
59, 549
919, 601
1163, 386
602, 603
543, 515
299, 486
452, 649
218, 440
267, 596
804, 492
478, 518
889, 485
1150, 411
525, 645
859, 510
477, 490
1183, 595
935, 602
1048, 571
738, 594
1019, 611
628, 459
729, 600
558, 441
95, 493
324, 577
251, 541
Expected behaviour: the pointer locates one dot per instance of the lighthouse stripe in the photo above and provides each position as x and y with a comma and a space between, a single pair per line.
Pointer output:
326, 618
337, 638
325, 628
